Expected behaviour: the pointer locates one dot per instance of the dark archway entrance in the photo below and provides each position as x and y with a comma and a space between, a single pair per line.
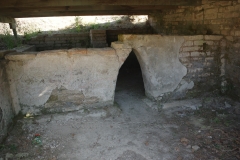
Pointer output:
130, 77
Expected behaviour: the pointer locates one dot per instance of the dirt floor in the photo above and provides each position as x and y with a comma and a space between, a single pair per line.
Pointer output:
207, 128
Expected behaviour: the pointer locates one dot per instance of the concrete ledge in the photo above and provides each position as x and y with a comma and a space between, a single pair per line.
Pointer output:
4, 52
120, 45
25, 48
52, 52
20, 56
77, 51
101, 51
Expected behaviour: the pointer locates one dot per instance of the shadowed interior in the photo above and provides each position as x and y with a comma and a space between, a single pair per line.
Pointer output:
130, 76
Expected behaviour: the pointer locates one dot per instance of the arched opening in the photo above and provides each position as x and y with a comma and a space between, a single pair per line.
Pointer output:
130, 77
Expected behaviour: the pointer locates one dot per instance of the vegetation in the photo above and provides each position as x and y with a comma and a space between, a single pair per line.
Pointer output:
28, 35
8, 40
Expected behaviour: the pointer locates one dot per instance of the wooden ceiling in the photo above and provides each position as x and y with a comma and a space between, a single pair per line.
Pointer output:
46, 8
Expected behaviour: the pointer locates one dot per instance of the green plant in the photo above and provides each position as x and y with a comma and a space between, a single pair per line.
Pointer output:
106, 25
78, 24
13, 147
216, 120
2, 147
31, 34
8, 40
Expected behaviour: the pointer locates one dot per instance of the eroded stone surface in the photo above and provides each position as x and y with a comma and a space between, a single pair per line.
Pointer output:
6, 112
122, 51
91, 72
159, 60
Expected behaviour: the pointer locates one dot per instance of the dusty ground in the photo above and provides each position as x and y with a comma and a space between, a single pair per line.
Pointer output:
206, 128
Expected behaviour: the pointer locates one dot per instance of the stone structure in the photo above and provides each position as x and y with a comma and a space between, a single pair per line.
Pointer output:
6, 112
66, 80
75, 78
164, 76
59, 41
211, 17
158, 58
98, 38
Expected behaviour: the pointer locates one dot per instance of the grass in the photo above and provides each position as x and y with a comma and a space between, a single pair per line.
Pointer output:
9, 40
29, 35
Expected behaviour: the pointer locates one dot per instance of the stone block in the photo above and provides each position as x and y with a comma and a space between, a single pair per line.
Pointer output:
120, 45
211, 11
97, 31
230, 15
4, 52
184, 54
98, 38
77, 51
188, 43
199, 43
99, 44
197, 54
52, 53
210, 16
225, 32
237, 33
212, 37
195, 48
197, 37
21, 56
185, 60
88, 79
101, 51
209, 59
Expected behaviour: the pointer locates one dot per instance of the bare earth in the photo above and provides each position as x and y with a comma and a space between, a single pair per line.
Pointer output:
204, 128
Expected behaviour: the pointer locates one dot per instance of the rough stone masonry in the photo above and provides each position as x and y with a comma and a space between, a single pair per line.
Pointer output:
66, 80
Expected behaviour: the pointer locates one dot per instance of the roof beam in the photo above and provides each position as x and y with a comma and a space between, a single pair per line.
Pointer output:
54, 3
76, 13
86, 8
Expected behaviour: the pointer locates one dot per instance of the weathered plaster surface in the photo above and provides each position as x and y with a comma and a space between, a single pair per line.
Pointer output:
6, 113
84, 76
80, 77
159, 60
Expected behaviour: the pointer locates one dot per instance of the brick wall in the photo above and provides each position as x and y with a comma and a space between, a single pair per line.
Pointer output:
210, 18
200, 55
98, 38
59, 41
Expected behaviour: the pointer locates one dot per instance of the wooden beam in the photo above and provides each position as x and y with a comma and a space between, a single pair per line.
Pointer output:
81, 10
7, 19
86, 8
78, 13
55, 3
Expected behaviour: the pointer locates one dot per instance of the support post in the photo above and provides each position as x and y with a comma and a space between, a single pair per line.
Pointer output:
12, 24
13, 27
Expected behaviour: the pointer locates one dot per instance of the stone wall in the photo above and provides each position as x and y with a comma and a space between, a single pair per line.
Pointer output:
59, 41
62, 80
112, 35
66, 80
164, 76
6, 112
210, 18
201, 55
98, 38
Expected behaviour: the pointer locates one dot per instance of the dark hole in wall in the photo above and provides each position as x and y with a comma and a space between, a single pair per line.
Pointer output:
130, 77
